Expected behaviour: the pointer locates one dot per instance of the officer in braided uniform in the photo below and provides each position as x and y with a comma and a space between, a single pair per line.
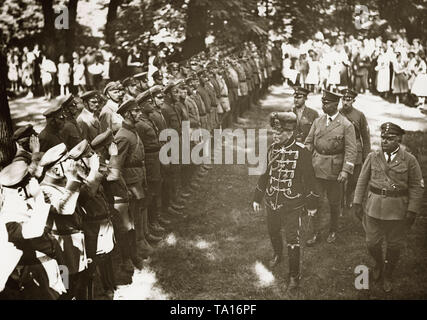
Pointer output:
363, 139
288, 187
393, 179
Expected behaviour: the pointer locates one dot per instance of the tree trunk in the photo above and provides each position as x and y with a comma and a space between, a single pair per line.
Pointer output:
49, 28
7, 146
197, 26
111, 16
71, 32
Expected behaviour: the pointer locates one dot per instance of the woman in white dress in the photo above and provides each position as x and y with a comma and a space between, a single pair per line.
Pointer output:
313, 76
64, 76
334, 71
79, 80
383, 73
47, 72
12, 74
400, 80
286, 71
420, 84
411, 69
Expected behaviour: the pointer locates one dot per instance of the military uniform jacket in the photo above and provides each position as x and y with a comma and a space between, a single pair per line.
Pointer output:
334, 147
304, 123
71, 134
89, 126
149, 134
405, 174
173, 113
130, 158
193, 111
289, 180
363, 139
158, 118
200, 104
109, 118
49, 138
204, 94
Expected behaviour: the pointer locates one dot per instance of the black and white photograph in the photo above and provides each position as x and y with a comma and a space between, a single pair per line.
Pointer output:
214, 155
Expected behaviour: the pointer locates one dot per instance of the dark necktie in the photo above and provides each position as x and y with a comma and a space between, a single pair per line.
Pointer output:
330, 121
388, 157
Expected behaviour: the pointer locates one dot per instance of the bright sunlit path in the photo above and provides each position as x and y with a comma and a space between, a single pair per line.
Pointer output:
143, 287
265, 277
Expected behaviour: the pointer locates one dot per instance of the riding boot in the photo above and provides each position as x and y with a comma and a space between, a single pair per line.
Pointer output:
123, 242
106, 272
391, 259
294, 266
146, 232
376, 253
137, 262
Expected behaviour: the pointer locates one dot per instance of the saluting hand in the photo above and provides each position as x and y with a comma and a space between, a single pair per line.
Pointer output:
70, 170
34, 144
94, 163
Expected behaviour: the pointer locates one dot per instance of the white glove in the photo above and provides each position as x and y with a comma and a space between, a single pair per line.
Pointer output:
256, 206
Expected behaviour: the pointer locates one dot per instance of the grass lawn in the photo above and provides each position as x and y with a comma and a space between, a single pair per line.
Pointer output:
221, 251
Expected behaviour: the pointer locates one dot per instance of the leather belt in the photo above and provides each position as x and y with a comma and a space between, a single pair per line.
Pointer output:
152, 150
328, 153
388, 193
135, 165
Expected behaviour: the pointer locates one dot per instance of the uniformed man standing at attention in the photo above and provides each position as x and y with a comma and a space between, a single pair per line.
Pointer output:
363, 139
393, 179
288, 187
305, 115
130, 163
333, 142
108, 117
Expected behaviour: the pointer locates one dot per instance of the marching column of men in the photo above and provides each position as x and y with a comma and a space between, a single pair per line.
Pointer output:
384, 187
91, 183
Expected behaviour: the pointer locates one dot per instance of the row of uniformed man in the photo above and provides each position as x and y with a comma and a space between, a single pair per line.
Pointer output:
92, 178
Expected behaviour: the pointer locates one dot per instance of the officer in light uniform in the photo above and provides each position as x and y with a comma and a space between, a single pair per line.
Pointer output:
97, 224
332, 141
61, 186
288, 186
23, 218
130, 164
87, 120
363, 139
108, 117
393, 179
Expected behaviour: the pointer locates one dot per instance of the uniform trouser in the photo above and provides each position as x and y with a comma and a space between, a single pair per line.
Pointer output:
26, 288
333, 190
153, 201
291, 219
166, 186
351, 183
393, 232
174, 182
